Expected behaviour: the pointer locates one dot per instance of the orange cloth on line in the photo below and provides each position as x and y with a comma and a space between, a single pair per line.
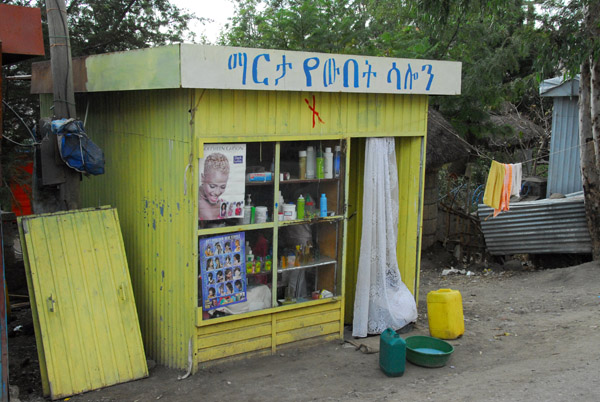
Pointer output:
505, 194
493, 187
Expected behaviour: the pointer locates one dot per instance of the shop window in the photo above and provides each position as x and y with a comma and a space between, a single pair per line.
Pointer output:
242, 265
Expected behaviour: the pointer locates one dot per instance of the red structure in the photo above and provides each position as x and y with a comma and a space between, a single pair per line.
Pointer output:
20, 39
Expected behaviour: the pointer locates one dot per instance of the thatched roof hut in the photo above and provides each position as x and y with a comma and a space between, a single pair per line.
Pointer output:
443, 142
517, 130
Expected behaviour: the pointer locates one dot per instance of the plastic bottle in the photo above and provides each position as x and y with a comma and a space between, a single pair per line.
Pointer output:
310, 162
320, 163
302, 164
323, 205
392, 353
309, 208
337, 161
328, 163
300, 207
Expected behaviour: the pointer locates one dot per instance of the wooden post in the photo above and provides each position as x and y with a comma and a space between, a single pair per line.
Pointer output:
1, 109
64, 96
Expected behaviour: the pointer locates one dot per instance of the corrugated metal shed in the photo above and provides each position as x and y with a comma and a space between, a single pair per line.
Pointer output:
537, 227
86, 324
564, 172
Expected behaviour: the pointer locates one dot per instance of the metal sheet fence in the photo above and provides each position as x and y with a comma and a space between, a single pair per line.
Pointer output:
537, 227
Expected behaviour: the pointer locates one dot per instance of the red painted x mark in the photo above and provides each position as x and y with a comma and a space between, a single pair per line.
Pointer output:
314, 110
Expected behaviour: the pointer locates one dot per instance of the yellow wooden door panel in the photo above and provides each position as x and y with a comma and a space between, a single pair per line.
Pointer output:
85, 308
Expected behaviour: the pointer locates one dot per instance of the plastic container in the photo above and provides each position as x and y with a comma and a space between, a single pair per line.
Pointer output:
426, 351
258, 177
323, 205
310, 162
247, 213
289, 212
261, 214
392, 353
328, 163
302, 164
300, 207
445, 314
337, 161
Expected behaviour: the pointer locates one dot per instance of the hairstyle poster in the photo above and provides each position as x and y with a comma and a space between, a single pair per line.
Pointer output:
222, 182
222, 270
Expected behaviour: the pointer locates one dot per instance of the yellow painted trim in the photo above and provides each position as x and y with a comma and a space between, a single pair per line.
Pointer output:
239, 228
309, 320
234, 348
308, 304
238, 335
345, 152
231, 325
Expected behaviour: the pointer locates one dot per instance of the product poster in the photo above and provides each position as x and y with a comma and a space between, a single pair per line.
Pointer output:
222, 182
222, 270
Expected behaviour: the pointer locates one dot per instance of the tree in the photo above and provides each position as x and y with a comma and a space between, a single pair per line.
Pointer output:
95, 26
573, 46
494, 39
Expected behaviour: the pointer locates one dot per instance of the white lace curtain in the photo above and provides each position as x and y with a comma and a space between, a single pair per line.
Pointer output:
382, 300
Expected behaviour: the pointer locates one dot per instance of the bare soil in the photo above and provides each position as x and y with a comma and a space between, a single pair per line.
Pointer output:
531, 335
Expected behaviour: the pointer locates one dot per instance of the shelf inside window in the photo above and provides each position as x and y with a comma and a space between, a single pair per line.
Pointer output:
301, 181
330, 219
235, 228
320, 262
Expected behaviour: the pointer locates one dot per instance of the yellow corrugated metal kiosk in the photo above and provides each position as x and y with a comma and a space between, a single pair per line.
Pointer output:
219, 161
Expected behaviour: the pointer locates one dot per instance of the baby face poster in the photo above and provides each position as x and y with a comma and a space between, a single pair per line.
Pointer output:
222, 182
221, 270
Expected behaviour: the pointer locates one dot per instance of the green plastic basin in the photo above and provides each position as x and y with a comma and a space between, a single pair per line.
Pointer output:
426, 351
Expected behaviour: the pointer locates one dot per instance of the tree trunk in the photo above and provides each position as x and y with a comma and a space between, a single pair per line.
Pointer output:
589, 164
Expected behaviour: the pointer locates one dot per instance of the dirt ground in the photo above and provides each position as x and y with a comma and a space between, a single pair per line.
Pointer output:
530, 335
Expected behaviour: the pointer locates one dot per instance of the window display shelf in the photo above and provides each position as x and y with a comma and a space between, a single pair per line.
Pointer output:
322, 261
236, 228
330, 219
301, 181
259, 183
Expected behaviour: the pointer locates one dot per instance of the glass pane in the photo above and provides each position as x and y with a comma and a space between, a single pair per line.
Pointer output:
309, 262
236, 184
235, 272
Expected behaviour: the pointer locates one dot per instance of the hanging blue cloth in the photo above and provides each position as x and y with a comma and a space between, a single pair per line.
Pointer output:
76, 149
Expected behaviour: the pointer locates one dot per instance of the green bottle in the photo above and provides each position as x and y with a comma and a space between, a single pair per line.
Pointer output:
300, 207
320, 165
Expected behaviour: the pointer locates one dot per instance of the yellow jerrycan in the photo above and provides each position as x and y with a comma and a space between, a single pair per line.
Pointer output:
445, 314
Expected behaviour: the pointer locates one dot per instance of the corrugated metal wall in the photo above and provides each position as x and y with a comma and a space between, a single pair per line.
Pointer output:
280, 116
564, 174
146, 137
537, 227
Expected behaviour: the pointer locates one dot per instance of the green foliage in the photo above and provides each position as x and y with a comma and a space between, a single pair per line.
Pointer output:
495, 40
95, 26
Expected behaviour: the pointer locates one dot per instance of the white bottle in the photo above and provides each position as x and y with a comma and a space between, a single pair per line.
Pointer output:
328, 163
311, 162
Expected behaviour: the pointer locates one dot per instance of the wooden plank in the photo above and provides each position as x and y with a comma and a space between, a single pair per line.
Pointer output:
236, 348
310, 342
243, 356
230, 325
308, 332
307, 321
237, 335
309, 310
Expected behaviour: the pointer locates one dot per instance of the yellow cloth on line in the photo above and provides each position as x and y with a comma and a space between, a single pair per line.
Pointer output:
493, 187
506, 190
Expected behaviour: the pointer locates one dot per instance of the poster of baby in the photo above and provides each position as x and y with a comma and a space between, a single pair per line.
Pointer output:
222, 182
221, 270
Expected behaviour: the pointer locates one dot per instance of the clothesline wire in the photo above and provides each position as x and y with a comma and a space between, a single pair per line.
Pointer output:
478, 152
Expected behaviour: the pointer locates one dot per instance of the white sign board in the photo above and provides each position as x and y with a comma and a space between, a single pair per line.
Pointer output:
277, 70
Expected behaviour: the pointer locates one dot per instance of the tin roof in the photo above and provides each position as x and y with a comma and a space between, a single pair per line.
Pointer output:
221, 67
559, 86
